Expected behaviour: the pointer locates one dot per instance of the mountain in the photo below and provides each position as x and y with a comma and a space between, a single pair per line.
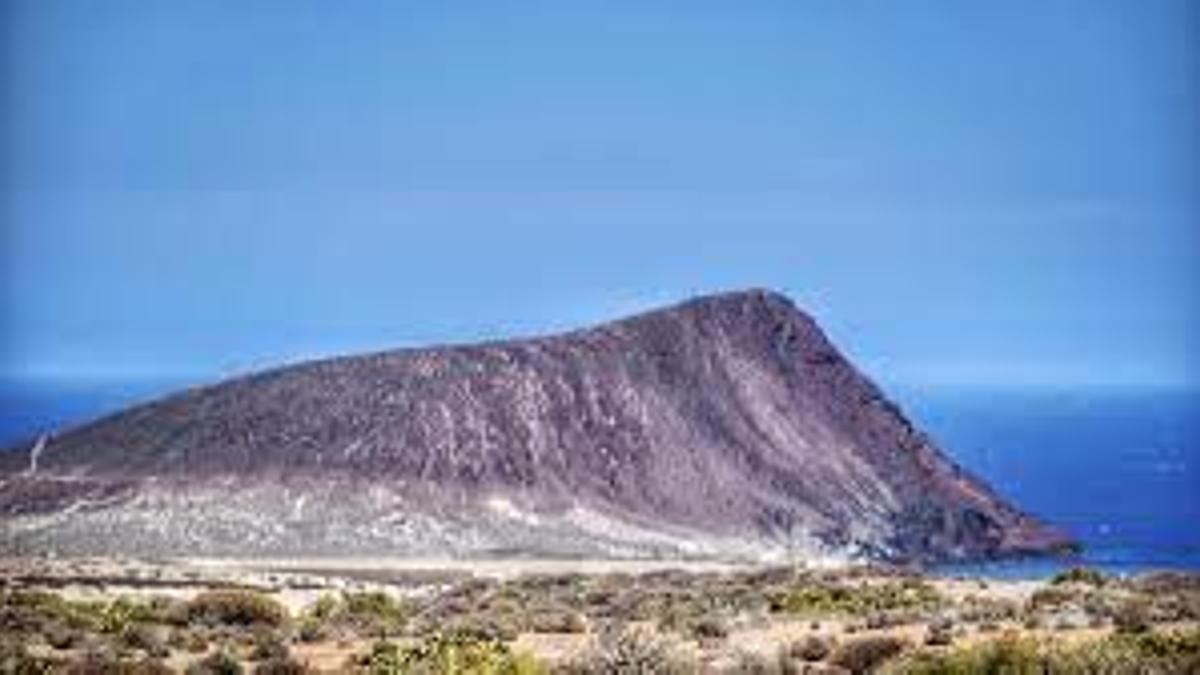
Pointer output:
727, 425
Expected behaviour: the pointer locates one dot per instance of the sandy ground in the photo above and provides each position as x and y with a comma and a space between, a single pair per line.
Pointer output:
501, 568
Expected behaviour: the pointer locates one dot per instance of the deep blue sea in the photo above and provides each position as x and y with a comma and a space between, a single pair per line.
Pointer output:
1118, 468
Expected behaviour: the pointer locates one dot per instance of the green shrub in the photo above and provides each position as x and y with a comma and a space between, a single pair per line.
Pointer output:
28, 611
1168, 644
324, 607
236, 608
311, 630
818, 598
459, 654
1080, 575
116, 616
268, 646
367, 614
383, 659
375, 609
1010, 655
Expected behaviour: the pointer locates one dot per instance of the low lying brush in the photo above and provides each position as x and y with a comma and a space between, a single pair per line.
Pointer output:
1153, 653
236, 607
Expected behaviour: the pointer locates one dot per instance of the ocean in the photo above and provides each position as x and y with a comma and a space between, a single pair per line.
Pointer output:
1117, 468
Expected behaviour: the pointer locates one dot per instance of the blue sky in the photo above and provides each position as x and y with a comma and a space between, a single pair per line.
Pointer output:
961, 192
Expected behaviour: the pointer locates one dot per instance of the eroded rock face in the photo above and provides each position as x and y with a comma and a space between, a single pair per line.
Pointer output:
726, 423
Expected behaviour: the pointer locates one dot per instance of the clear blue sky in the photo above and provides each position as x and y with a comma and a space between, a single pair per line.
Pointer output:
959, 191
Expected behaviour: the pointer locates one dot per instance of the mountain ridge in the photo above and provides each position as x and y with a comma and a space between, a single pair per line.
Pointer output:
724, 422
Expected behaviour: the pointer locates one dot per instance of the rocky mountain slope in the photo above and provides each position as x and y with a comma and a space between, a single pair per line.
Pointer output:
726, 425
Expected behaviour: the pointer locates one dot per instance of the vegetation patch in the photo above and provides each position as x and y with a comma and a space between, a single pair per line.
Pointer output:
770, 622
1167, 653
237, 608
824, 599
368, 614
632, 651
1080, 575
865, 654
459, 653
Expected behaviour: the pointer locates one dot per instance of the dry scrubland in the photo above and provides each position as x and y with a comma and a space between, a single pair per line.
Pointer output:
138, 617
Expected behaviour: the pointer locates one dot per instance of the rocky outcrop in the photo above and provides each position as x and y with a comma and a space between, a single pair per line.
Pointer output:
726, 424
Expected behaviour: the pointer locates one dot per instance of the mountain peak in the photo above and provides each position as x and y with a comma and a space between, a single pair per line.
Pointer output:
741, 302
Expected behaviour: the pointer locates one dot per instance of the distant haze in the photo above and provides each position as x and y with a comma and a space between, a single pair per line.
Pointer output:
960, 192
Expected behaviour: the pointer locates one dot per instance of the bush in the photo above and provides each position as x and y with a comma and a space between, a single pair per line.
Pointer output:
237, 608
32, 612
1010, 654
820, 598
368, 614
168, 610
150, 639
1133, 617
632, 652
709, 628
384, 657
373, 611
1080, 575
220, 662
989, 610
557, 621
1115, 655
194, 640
15, 658
812, 648
268, 646
939, 635
1050, 597
1177, 648
751, 663
496, 628
117, 616
459, 654
59, 636
863, 655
